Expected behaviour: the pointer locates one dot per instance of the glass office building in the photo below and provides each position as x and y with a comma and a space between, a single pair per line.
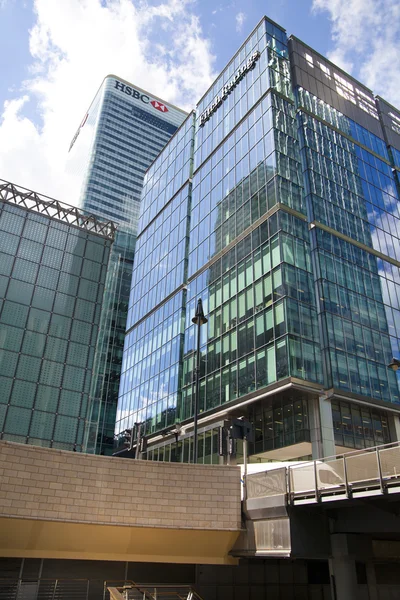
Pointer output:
53, 265
121, 134
277, 204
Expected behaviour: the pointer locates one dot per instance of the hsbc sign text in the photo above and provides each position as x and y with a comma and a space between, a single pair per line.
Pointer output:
129, 91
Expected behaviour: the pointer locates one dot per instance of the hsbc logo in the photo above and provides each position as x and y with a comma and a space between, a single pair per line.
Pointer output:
159, 106
135, 94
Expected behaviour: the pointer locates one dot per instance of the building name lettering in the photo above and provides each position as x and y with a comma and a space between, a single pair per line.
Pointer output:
131, 92
227, 89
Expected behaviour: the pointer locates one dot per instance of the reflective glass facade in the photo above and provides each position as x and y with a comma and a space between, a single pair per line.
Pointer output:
352, 198
286, 225
52, 276
123, 131
151, 371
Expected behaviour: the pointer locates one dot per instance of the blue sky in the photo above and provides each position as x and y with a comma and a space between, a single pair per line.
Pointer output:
54, 54
218, 21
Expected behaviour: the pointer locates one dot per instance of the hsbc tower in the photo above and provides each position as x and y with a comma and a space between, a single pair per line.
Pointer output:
118, 138
120, 135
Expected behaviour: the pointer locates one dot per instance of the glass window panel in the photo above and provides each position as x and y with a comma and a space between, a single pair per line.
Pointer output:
249, 302
271, 365
34, 343
10, 338
6, 265
241, 276
19, 291
278, 286
60, 326
242, 306
47, 277
28, 368
47, 398
258, 291
281, 359
43, 298
9, 243
378, 430
74, 378
14, 314
258, 268
51, 373
65, 429
17, 420
5, 386
52, 257
35, 230
269, 325
56, 349
81, 332
30, 250
275, 252
64, 304
84, 310
249, 272
23, 393
242, 377
11, 222
42, 425
77, 354
280, 325
266, 258
233, 379
68, 284
70, 403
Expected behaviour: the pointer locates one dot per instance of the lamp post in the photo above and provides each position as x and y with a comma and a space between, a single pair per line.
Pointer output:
394, 365
199, 320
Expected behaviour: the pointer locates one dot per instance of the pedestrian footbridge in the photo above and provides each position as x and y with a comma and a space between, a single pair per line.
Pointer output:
293, 510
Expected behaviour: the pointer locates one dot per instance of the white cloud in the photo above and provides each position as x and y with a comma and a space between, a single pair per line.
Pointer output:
366, 34
240, 19
74, 44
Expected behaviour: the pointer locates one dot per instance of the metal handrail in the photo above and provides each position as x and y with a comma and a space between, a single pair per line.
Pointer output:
344, 473
116, 592
44, 579
360, 451
55, 586
170, 591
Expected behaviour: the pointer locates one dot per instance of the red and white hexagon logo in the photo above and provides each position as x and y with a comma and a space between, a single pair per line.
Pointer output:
159, 106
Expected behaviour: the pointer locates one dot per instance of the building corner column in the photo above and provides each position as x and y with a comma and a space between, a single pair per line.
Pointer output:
371, 581
342, 569
394, 426
321, 427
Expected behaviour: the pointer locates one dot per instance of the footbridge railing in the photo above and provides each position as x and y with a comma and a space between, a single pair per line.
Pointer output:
370, 471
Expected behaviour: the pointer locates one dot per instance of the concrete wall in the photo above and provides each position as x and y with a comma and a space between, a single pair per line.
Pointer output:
67, 488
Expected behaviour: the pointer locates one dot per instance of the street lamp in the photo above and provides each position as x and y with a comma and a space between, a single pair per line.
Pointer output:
394, 365
199, 320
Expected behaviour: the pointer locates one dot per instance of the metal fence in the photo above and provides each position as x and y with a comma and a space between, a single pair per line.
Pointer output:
79, 589
153, 592
44, 589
